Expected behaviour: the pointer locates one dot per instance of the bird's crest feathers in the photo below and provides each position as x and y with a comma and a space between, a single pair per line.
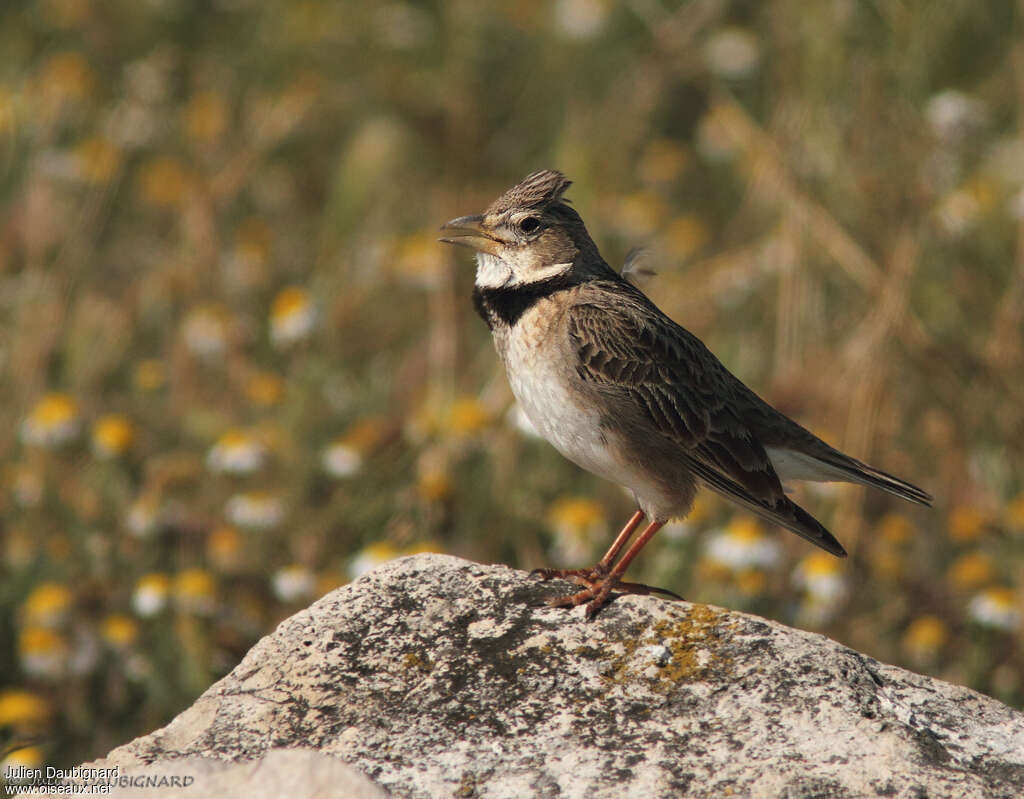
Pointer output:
538, 190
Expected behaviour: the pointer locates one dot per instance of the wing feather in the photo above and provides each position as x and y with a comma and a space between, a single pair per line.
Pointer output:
631, 348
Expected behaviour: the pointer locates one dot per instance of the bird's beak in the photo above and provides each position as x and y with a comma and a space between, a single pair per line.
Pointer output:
466, 231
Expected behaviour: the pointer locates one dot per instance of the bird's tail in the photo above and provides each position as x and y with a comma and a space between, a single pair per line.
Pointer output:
831, 465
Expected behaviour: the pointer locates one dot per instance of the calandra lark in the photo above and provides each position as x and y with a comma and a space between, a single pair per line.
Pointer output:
620, 389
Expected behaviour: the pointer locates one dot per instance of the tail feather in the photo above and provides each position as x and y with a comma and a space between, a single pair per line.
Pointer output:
857, 472
783, 511
826, 464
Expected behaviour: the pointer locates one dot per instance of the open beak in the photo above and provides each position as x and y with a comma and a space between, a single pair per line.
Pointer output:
467, 232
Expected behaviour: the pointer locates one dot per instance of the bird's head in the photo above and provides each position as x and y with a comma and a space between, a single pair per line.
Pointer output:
527, 235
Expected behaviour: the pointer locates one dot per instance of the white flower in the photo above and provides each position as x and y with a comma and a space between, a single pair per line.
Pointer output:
236, 452
951, 113
143, 517
370, 557
820, 575
53, 421
580, 19
742, 546
206, 333
732, 53
292, 316
255, 509
150, 595
996, 608
293, 583
341, 460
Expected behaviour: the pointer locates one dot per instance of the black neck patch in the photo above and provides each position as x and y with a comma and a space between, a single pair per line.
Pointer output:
506, 305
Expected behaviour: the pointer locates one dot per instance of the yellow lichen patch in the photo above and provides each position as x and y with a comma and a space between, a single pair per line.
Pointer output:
685, 639
412, 660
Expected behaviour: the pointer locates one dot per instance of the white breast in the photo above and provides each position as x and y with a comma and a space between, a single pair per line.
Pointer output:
569, 421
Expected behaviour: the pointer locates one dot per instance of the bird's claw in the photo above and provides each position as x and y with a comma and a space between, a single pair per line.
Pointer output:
597, 588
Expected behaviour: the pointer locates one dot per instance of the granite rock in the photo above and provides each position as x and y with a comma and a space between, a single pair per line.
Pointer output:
434, 676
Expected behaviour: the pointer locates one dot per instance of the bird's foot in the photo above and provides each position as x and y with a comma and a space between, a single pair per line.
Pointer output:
598, 585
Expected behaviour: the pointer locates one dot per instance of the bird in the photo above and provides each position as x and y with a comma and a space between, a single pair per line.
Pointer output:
623, 391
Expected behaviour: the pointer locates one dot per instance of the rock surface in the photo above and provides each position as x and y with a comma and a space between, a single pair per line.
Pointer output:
434, 676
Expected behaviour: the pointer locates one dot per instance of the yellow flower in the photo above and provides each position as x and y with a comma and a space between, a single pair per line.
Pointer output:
236, 452
419, 260
662, 161
97, 159
224, 548
150, 375
821, 576
23, 709
112, 435
53, 421
742, 545
888, 561
43, 653
163, 182
195, 591
67, 76
370, 557
467, 416
751, 582
27, 757
421, 547
206, 331
47, 605
119, 631
245, 265
327, 582
970, 571
27, 486
895, 528
150, 595
433, 480
684, 235
1015, 514
292, 316
966, 523
924, 638
577, 522
265, 389
995, 607
434, 484
206, 117
640, 214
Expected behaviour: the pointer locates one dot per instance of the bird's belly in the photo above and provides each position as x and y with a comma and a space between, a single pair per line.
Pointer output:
570, 422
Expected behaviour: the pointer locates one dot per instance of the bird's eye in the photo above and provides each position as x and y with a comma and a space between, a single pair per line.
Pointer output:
529, 224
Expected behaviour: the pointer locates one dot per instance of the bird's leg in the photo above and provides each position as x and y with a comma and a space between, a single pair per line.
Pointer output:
588, 576
597, 590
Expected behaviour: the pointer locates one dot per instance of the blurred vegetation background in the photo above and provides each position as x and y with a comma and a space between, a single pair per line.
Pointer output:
237, 370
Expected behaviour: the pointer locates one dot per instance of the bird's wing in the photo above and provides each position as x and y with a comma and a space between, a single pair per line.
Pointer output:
630, 351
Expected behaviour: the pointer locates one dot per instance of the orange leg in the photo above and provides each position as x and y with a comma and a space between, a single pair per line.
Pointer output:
599, 582
604, 565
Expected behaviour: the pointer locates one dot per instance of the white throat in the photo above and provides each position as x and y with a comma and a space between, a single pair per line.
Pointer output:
493, 272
